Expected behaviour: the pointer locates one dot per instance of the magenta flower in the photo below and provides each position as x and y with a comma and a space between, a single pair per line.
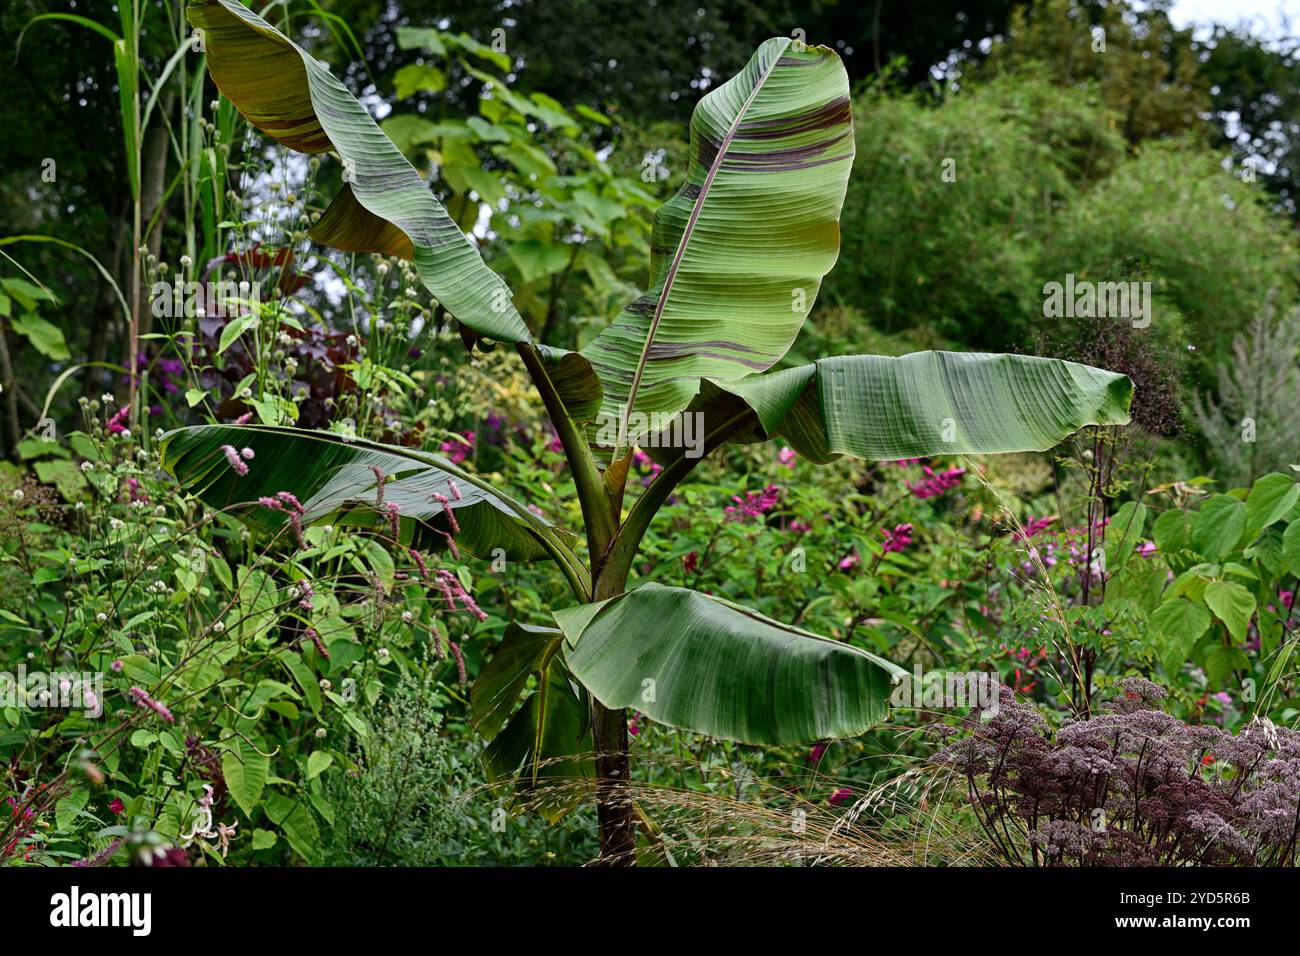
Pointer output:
1146, 549
840, 796
116, 424
787, 457
850, 561
117, 806
458, 451
1032, 528
897, 538
936, 484
755, 504
815, 753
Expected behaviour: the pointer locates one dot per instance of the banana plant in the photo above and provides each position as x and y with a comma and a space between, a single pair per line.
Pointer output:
737, 257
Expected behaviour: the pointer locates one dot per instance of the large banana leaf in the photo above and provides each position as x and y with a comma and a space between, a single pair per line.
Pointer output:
693, 661
738, 255
333, 478
927, 403
384, 205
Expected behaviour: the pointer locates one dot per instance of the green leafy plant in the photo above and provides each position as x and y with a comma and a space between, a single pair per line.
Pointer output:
737, 257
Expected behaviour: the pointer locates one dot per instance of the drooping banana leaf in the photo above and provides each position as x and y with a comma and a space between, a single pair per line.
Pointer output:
333, 478
690, 660
928, 403
738, 255
524, 650
546, 746
384, 206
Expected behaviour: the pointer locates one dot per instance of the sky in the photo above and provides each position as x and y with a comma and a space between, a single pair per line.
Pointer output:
1266, 16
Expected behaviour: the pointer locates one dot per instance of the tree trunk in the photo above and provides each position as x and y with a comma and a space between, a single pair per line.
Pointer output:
613, 797
609, 735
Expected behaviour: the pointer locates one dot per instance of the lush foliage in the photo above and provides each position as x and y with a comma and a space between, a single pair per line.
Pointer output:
311, 573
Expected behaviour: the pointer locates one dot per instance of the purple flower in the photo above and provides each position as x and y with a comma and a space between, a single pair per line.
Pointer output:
755, 504
897, 538
936, 484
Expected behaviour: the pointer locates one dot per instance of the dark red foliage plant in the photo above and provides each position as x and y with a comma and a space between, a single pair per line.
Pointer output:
1130, 786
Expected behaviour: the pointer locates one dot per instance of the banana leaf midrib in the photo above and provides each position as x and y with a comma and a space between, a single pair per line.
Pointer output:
689, 230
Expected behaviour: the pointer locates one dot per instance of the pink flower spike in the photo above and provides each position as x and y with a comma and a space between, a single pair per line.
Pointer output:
237, 464
144, 700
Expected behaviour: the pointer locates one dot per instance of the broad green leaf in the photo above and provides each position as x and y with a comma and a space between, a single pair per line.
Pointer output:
1291, 547
295, 821
417, 77
333, 478
1138, 583
1271, 497
738, 254
234, 329
1233, 604
384, 205
1267, 550
536, 259
1125, 531
421, 38
1172, 532
318, 763
547, 741
1219, 662
1217, 526
245, 771
693, 661
927, 403
523, 651
1182, 621
44, 336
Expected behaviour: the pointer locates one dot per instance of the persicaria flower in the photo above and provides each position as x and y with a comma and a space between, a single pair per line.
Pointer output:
461, 676
144, 700
286, 502
453, 591
236, 461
